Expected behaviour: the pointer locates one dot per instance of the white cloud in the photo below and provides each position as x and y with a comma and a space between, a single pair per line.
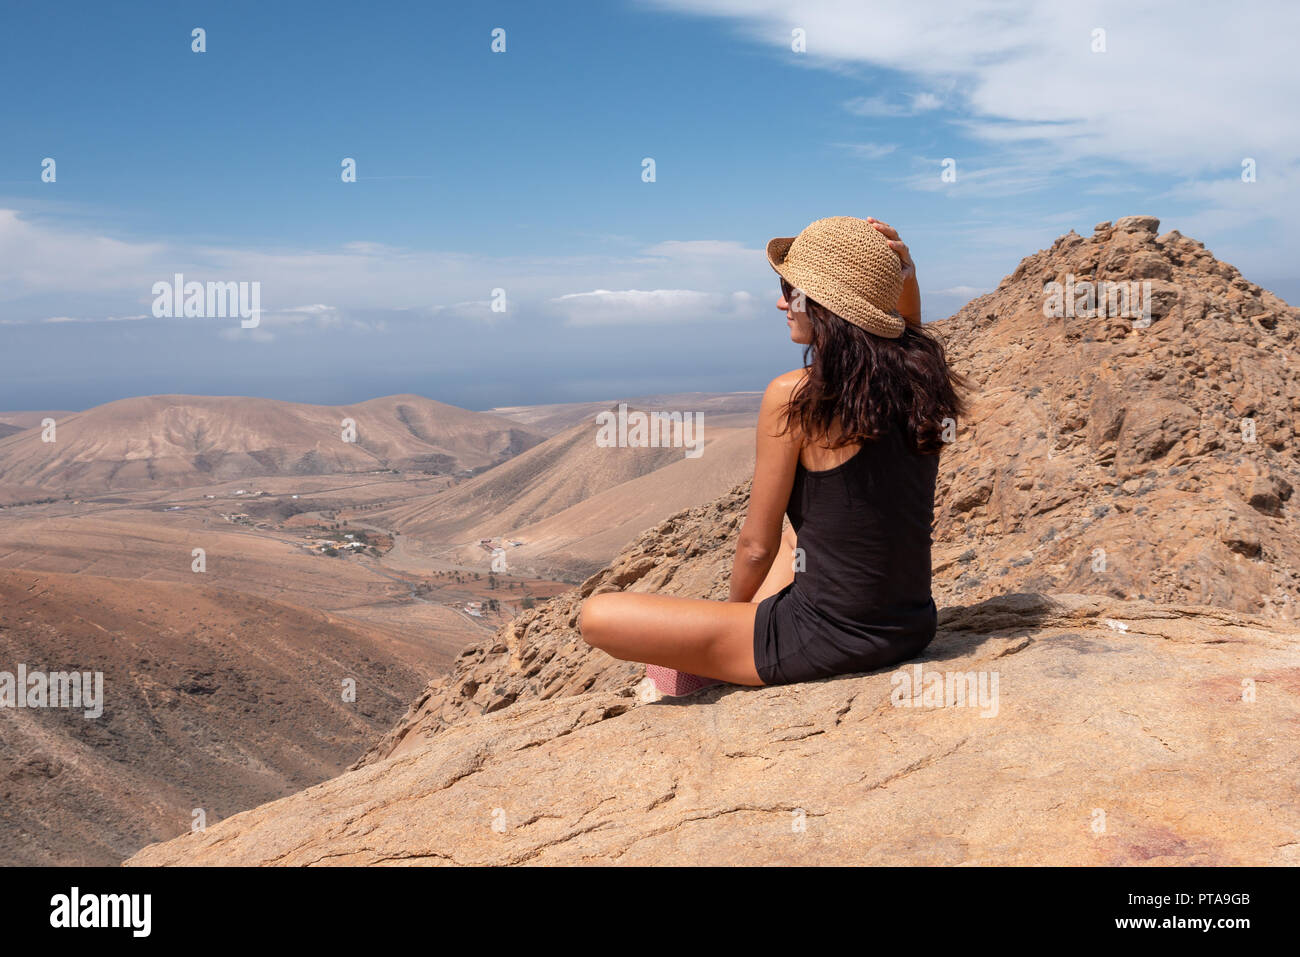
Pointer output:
633, 306
97, 319
869, 151
695, 250
57, 320
239, 334
989, 176
61, 272
882, 105
316, 310
1183, 89
478, 310
925, 101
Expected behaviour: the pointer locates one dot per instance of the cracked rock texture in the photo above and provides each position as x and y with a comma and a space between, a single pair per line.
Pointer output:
1120, 736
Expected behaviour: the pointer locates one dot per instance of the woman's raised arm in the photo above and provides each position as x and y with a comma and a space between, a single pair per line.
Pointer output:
909, 303
776, 458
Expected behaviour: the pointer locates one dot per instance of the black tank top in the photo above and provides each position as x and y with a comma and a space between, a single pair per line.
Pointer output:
864, 527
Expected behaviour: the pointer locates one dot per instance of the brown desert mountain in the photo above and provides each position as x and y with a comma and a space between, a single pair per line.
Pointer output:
721, 409
11, 422
1125, 731
573, 504
179, 441
212, 699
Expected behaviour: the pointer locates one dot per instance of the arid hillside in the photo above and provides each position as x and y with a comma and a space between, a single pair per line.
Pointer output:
724, 409
212, 699
11, 422
179, 441
572, 504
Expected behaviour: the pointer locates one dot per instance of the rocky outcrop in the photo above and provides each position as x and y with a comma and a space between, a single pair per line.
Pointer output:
1119, 455
1109, 733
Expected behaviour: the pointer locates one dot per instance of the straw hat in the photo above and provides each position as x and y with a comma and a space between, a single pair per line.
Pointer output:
847, 266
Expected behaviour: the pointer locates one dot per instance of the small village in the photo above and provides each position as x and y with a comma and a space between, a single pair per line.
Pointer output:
341, 542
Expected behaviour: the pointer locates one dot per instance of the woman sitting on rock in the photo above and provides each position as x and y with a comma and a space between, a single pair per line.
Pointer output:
848, 448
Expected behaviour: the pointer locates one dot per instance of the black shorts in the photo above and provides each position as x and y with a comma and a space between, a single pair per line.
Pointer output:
793, 643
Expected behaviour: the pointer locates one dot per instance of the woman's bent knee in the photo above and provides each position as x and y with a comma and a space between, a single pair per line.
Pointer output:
603, 623
594, 619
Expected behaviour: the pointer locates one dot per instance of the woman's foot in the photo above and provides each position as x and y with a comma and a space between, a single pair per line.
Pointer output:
670, 681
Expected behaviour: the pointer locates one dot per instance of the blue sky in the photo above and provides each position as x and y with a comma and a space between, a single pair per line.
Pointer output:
521, 171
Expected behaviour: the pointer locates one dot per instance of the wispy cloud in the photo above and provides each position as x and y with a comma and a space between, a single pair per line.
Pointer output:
636, 306
1093, 89
712, 250
94, 318
883, 105
355, 278
968, 291
869, 151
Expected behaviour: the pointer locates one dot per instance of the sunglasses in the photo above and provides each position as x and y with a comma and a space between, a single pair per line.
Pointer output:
789, 291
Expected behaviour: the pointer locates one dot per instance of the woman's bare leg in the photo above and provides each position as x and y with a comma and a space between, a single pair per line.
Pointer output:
713, 639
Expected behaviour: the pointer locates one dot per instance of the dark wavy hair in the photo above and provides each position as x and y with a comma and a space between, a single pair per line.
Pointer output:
859, 386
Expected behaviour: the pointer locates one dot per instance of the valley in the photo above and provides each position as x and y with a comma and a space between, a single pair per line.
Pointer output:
180, 547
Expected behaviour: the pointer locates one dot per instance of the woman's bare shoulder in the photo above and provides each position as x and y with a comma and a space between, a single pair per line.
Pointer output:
783, 386
776, 403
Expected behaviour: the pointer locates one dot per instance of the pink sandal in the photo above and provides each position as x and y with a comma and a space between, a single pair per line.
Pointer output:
670, 681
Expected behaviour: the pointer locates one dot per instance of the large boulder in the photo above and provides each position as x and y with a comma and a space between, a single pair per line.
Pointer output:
1120, 733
